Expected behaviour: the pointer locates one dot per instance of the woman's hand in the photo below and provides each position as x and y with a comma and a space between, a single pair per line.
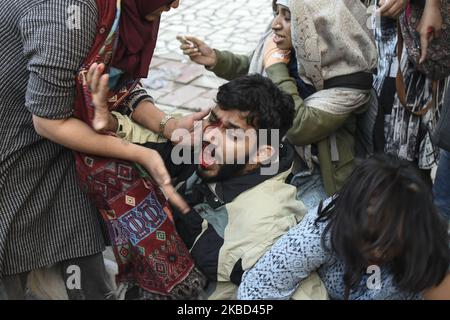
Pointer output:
430, 26
392, 8
154, 164
186, 125
98, 84
198, 51
273, 55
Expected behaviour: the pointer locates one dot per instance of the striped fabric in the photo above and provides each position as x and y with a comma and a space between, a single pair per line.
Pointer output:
138, 95
386, 41
44, 217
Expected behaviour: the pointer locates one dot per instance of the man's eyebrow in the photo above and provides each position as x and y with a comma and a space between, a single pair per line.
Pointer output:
227, 124
232, 125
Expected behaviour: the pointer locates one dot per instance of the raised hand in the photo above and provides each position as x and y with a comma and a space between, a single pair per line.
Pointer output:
272, 54
98, 85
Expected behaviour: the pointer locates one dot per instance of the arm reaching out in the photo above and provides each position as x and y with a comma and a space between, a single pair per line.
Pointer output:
224, 64
76, 135
51, 84
198, 51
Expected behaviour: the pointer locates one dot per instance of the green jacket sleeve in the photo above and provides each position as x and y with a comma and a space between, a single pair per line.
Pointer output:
310, 124
230, 65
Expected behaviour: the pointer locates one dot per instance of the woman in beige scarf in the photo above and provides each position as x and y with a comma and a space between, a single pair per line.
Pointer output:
336, 54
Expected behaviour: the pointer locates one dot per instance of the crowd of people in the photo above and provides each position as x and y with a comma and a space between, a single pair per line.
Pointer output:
311, 178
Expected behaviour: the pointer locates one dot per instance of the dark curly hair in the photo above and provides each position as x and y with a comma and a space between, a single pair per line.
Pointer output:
268, 107
385, 215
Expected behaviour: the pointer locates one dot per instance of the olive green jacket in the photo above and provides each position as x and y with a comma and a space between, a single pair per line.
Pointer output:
311, 126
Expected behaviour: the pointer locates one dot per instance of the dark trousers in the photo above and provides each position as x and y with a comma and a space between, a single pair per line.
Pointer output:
442, 185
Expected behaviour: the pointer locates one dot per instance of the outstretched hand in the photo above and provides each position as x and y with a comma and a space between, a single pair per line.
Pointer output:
198, 51
186, 127
154, 164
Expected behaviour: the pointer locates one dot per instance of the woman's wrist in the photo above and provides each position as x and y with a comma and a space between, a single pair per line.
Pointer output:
169, 128
215, 59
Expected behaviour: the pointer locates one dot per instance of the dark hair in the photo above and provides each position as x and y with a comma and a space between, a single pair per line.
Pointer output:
268, 107
385, 206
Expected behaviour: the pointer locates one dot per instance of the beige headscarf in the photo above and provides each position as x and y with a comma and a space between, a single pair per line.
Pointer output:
331, 39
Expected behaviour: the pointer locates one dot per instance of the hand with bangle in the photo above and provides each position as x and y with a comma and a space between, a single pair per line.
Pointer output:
163, 123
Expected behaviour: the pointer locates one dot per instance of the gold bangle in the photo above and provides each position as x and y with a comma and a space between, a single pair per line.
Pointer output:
164, 120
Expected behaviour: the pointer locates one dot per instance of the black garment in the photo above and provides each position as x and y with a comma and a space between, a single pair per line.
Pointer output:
420, 3
385, 103
304, 89
384, 84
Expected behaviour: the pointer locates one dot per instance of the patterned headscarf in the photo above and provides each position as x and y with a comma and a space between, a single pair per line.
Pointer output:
331, 39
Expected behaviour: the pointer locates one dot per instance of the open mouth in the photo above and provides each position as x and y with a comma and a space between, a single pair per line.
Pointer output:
278, 38
207, 155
